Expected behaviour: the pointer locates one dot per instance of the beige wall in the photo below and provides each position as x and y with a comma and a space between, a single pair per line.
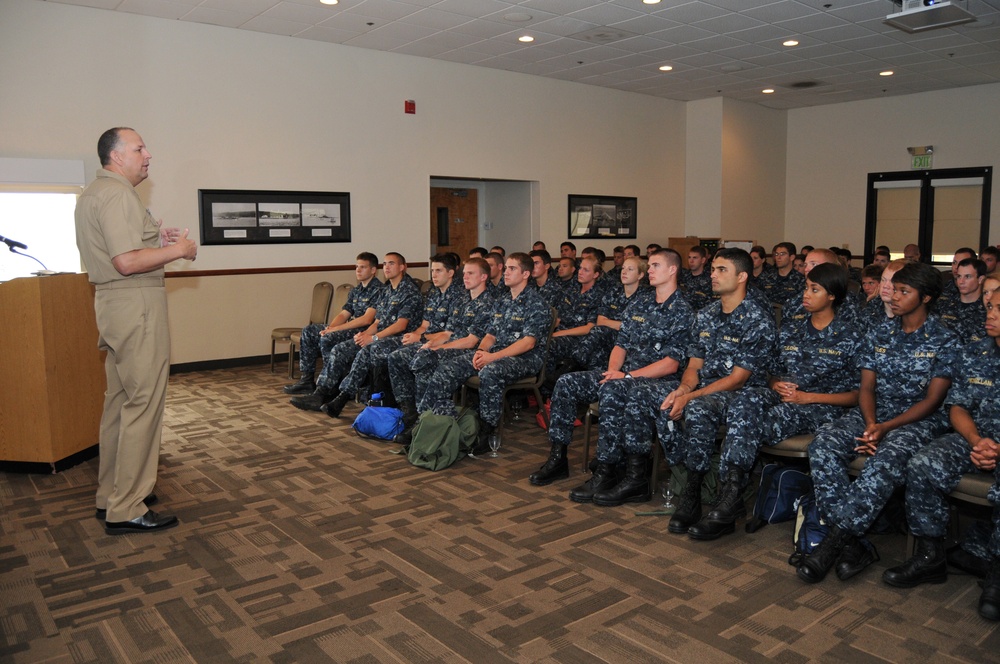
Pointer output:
735, 171
831, 150
229, 109
753, 168
703, 169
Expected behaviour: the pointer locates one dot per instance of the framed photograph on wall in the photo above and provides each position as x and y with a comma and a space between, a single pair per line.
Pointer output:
230, 216
601, 217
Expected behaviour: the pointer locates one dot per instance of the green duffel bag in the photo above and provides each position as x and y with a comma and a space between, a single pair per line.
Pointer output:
439, 441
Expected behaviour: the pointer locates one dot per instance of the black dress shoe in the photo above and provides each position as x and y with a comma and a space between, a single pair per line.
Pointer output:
148, 522
149, 501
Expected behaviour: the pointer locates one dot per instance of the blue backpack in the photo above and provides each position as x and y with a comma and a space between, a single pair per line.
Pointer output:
780, 488
379, 422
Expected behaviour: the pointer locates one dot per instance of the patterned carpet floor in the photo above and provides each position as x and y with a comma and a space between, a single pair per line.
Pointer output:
301, 542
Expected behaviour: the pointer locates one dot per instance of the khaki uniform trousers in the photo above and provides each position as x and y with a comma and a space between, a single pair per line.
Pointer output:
132, 320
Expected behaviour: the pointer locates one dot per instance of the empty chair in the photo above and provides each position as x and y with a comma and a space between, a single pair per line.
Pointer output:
319, 313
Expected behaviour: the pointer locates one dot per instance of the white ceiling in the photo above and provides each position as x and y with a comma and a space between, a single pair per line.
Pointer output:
729, 48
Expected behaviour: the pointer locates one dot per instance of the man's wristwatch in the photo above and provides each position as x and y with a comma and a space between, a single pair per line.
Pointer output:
628, 374
374, 337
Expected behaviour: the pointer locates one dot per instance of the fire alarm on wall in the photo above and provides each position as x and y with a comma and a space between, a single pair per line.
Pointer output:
410, 106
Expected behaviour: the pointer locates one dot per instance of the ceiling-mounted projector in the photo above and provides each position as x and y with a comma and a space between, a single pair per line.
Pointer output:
920, 15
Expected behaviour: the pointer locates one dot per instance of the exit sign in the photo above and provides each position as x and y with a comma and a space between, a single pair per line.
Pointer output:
921, 162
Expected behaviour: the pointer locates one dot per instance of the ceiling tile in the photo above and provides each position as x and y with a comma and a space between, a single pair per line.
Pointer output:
644, 25
473, 8
435, 19
604, 14
391, 36
157, 8
785, 10
386, 10
332, 35
253, 6
562, 26
691, 12
217, 17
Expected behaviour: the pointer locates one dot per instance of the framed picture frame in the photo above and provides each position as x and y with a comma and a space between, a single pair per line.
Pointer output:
231, 216
599, 217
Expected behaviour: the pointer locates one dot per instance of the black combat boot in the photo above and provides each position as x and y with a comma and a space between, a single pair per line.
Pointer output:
410, 417
556, 467
728, 507
315, 400
688, 510
306, 385
603, 479
989, 601
815, 567
633, 488
335, 408
483, 440
410, 414
929, 564
968, 562
855, 557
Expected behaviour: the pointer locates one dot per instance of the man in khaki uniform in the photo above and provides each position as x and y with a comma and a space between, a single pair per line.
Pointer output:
124, 251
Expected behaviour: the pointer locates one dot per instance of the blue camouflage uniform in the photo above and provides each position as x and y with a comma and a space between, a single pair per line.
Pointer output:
411, 366
904, 365
757, 281
497, 290
403, 301
793, 310
566, 283
650, 332
964, 319
935, 470
575, 309
312, 345
949, 290
438, 307
778, 288
871, 315
697, 288
551, 292
594, 349
513, 319
819, 361
742, 338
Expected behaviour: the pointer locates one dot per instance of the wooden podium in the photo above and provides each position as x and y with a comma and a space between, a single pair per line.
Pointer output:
51, 372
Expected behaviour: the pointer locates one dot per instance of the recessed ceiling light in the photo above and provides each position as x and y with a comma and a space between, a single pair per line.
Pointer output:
329, 2
517, 17
790, 42
887, 72
666, 68
768, 91
650, 2
526, 39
